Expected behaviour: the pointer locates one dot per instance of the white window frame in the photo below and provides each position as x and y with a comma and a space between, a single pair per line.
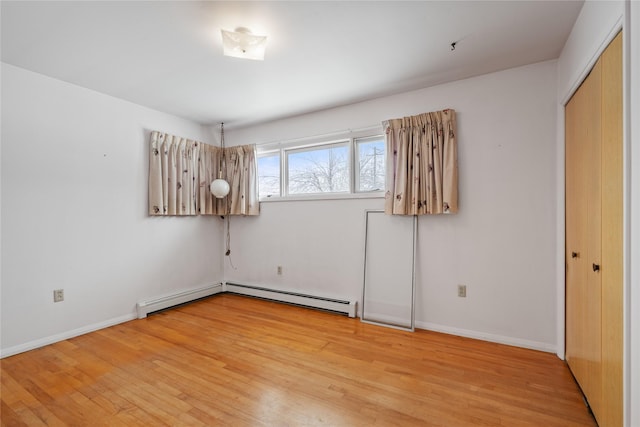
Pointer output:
270, 153
356, 163
284, 148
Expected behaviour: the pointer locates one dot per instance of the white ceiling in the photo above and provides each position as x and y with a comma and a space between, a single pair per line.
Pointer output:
168, 55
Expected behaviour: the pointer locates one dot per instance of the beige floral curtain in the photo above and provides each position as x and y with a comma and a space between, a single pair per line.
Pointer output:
181, 170
240, 162
208, 167
172, 175
422, 164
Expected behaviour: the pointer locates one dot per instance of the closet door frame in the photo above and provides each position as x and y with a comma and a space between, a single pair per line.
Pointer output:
594, 319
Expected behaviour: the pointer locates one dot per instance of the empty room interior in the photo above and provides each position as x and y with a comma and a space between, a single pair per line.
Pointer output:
307, 213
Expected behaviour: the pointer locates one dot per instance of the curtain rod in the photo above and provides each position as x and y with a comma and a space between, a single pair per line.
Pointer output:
320, 136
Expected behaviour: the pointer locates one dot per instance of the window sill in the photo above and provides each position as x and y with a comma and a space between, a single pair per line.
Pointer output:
333, 196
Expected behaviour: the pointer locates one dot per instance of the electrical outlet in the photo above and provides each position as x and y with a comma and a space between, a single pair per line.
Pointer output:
462, 291
279, 270
58, 295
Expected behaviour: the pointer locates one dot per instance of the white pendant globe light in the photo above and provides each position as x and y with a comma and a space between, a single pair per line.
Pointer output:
220, 187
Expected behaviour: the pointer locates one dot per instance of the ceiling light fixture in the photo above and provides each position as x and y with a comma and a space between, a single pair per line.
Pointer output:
242, 44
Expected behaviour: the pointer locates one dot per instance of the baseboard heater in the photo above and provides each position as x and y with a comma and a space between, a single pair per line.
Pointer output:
160, 303
330, 304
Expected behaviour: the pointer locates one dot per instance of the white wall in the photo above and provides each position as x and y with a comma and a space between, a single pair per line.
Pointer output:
74, 212
501, 244
595, 27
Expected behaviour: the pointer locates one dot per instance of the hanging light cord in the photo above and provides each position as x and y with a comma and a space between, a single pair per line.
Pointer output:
222, 147
228, 217
222, 135
227, 246
228, 242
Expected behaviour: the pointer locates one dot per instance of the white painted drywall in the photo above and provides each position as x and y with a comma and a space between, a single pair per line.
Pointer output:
502, 243
74, 212
597, 24
319, 244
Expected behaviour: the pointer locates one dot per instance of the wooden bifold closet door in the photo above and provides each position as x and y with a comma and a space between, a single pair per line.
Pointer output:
593, 252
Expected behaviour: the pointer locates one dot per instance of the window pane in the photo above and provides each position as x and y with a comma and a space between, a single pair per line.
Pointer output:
371, 164
322, 169
269, 175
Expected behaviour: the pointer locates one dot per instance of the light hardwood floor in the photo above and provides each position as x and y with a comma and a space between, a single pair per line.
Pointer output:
232, 360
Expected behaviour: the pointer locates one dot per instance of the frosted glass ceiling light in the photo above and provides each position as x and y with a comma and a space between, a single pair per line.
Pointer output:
242, 44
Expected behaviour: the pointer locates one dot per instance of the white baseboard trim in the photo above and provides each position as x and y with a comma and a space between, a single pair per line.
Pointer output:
348, 307
500, 339
218, 288
143, 308
31, 345
169, 300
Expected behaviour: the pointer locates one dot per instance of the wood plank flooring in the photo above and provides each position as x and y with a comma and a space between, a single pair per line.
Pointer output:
237, 361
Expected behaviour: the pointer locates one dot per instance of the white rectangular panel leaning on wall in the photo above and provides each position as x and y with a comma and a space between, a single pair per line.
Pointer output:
501, 244
74, 212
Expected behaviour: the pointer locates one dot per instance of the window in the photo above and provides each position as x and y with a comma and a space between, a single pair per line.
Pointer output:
323, 169
269, 174
339, 168
370, 156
